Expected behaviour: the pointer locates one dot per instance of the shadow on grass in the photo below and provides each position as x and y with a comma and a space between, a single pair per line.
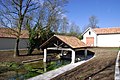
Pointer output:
31, 54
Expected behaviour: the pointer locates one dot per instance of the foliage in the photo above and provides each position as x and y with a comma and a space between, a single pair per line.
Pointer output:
80, 37
30, 74
9, 66
52, 66
32, 37
28, 70
37, 36
46, 19
41, 18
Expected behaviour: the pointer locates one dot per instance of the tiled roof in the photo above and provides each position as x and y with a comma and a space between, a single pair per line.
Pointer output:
72, 41
106, 30
12, 33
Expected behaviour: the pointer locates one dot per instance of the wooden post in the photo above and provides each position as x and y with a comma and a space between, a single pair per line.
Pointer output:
85, 53
45, 55
73, 57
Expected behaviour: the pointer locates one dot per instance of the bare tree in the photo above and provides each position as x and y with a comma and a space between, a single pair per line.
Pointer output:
46, 15
50, 14
93, 22
74, 29
13, 14
64, 25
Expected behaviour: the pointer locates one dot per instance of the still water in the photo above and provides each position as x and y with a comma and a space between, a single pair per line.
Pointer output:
29, 70
32, 69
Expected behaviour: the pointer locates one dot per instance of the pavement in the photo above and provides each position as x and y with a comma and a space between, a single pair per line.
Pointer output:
117, 70
51, 74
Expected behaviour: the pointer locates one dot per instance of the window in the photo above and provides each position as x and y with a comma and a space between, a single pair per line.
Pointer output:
89, 33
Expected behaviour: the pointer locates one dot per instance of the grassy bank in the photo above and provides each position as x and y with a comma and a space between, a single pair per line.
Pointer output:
11, 66
14, 68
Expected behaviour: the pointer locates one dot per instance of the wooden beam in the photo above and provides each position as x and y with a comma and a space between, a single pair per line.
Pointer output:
55, 48
66, 49
33, 60
80, 49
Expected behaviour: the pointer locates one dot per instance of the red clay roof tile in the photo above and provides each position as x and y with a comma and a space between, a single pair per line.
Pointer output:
107, 30
72, 41
12, 33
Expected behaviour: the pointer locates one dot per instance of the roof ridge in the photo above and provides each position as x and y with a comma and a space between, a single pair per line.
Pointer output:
64, 35
72, 41
113, 30
106, 28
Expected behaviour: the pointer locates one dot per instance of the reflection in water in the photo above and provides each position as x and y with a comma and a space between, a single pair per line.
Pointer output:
45, 65
37, 68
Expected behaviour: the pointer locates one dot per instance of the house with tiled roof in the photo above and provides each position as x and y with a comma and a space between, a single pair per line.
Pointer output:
8, 39
102, 37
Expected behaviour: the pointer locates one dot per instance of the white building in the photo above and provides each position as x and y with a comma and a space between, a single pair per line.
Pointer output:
102, 37
8, 39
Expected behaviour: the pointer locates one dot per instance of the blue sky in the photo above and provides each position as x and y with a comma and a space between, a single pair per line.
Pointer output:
106, 11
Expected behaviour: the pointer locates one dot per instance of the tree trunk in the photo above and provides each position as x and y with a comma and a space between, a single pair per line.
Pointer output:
16, 51
30, 50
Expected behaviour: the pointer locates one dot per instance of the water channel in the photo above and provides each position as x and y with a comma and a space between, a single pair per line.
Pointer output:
32, 69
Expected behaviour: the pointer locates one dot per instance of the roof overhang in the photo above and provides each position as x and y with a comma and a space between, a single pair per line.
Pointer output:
56, 37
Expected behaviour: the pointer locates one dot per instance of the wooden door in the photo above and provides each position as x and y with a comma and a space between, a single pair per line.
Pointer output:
90, 41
